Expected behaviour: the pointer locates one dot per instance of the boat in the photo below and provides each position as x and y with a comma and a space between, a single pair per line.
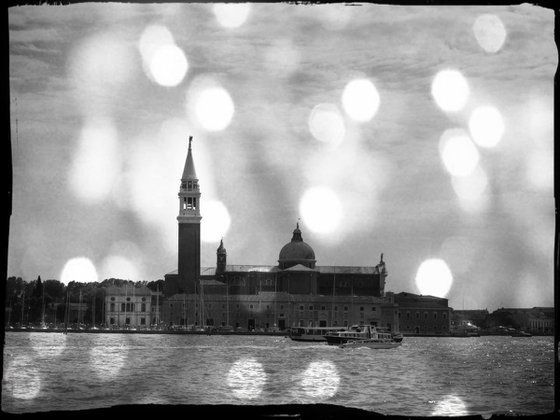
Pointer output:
360, 332
375, 340
312, 333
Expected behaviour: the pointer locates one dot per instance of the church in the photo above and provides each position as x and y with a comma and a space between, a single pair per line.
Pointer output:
295, 291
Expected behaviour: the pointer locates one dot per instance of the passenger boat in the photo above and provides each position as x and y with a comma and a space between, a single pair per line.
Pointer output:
312, 333
363, 335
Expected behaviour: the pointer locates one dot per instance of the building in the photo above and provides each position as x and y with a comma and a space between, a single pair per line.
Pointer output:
537, 320
129, 307
422, 315
295, 291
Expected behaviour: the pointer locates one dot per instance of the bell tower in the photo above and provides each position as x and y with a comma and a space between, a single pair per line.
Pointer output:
221, 258
189, 227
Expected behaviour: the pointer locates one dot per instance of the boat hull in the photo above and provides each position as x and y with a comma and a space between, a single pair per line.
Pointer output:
372, 344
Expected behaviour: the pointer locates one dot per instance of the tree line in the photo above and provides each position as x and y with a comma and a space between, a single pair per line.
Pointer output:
29, 302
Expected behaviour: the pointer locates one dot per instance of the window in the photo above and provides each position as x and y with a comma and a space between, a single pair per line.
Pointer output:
112, 321
143, 299
122, 307
417, 315
251, 306
127, 321
425, 315
373, 309
336, 308
444, 316
346, 308
408, 315
143, 308
281, 306
301, 307
112, 307
112, 298
361, 308
323, 308
310, 307
435, 315
142, 321
128, 299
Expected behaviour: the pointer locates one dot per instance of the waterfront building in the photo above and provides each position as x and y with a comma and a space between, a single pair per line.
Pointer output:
129, 307
465, 321
294, 292
537, 320
422, 315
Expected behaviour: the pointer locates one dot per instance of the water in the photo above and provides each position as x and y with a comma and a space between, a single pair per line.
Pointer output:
423, 377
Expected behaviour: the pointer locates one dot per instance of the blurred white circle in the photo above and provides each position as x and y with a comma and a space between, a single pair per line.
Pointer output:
360, 100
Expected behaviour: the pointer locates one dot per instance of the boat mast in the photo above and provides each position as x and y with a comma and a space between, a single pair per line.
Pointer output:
66, 312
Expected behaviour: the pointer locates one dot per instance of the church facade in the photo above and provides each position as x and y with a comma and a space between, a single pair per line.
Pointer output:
294, 292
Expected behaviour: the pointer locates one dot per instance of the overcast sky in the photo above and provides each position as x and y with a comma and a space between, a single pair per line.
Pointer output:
423, 133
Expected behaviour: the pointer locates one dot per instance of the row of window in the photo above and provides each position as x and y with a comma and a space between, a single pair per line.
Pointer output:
128, 307
127, 299
127, 321
417, 315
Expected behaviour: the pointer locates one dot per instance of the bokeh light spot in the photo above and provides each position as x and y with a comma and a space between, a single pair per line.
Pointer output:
214, 108
79, 269
232, 15
326, 124
320, 380
246, 378
490, 32
216, 221
108, 356
168, 65
321, 209
486, 126
120, 267
450, 90
470, 189
360, 100
450, 405
434, 278
22, 378
96, 163
459, 154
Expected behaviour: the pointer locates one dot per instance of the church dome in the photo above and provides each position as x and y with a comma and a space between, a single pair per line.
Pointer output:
296, 252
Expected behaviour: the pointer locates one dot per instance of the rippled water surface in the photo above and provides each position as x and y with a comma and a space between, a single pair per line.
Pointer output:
423, 377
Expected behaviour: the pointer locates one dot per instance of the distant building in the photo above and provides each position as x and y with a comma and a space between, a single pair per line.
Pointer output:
468, 317
422, 315
129, 307
294, 292
537, 320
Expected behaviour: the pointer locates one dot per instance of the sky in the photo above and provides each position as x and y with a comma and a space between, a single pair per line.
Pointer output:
421, 132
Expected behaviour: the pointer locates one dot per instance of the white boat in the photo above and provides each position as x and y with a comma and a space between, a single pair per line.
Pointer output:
312, 333
363, 336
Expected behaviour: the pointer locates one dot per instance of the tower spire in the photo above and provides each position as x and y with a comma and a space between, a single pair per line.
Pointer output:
189, 225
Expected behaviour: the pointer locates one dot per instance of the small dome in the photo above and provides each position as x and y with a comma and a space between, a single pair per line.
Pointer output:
296, 252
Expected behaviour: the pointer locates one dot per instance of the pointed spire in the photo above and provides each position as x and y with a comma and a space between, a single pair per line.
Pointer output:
189, 172
297, 234
221, 248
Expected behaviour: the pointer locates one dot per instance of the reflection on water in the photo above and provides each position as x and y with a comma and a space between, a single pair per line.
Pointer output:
246, 378
108, 355
22, 378
450, 405
320, 380
423, 377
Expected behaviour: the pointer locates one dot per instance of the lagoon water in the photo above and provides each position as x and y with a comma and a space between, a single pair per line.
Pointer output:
424, 377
